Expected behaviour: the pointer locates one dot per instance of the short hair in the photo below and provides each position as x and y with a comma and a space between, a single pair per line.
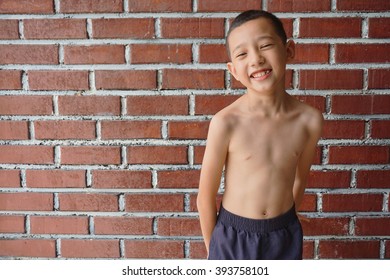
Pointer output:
256, 14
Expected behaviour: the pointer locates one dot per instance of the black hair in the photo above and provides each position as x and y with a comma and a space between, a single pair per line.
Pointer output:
255, 14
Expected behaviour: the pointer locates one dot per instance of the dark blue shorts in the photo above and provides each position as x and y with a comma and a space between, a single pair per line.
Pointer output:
238, 238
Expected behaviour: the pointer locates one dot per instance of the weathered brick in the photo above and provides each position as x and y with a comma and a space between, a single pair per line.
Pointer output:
89, 248
126, 79
91, 6
26, 105
213, 53
9, 178
9, 29
362, 53
26, 201
157, 105
154, 203
372, 226
329, 179
330, 27
89, 105
197, 79
27, 7
88, 202
352, 202
58, 80
228, 5
121, 179
362, 5
360, 104
26, 154
118, 28
157, 155
311, 53
13, 130
38, 248
55, 179
211, 104
331, 79
380, 129
375, 28
275, 6
131, 129
10, 79
179, 227
379, 78
123, 225
154, 249
12, 224
348, 249
156, 6
97, 54
373, 179
343, 129
358, 154
90, 155
28, 54
160, 53
65, 130
55, 28
325, 226
58, 225
192, 28
178, 179
188, 130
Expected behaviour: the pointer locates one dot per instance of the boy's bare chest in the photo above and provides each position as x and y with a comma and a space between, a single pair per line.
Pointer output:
268, 142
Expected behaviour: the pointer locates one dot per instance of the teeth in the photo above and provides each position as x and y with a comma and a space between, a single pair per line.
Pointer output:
260, 74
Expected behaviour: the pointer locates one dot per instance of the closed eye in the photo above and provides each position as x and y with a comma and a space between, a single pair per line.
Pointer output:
240, 54
266, 46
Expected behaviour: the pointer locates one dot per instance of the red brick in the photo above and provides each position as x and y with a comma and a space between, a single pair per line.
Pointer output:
12, 224
387, 252
349, 249
9, 179
28, 54
90, 155
372, 226
297, 6
123, 28
380, 129
188, 130
213, 53
309, 203
228, 5
164, 6
178, 179
192, 28
331, 79
288, 26
197, 250
121, 179
38, 248
58, 225
126, 79
123, 225
325, 226
157, 105
10, 79
318, 102
360, 104
58, 80
154, 203
154, 249
89, 105
13, 130
131, 129
363, 5
361, 53
97, 54
26, 154
91, 6
88, 202
161, 53
26, 105
179, 227
308, 250
330, 27
379, 78
211, 104
359, 154
55, 28
198, 154
376, 28
329, 179
311, 53
65, 130
373, 179
55, 179
27, 7
352, 202
89, 248
9, 29
343, 129
157, 155
26, 201
197, 79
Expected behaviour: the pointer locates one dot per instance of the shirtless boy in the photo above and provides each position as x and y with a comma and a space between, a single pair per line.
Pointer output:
266, 140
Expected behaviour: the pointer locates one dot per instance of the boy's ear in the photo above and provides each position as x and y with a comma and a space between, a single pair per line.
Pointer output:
232, 70
290, 48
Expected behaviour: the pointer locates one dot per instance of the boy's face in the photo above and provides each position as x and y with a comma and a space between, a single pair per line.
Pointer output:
258, 56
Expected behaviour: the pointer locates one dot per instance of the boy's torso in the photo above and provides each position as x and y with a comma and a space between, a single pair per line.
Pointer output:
262, 157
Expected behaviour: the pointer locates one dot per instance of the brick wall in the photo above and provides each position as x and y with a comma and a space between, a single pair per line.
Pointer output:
104, 110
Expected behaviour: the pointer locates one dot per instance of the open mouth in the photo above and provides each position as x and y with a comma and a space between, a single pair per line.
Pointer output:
260, 74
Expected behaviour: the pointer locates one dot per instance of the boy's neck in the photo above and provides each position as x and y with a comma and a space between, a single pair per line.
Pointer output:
268, 105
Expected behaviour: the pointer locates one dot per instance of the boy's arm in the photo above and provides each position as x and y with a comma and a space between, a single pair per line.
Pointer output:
306, 158
210, 177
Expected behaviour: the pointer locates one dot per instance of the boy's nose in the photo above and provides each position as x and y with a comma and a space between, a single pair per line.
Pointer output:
257, 59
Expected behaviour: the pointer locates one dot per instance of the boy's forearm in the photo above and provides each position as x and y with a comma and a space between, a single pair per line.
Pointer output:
208, 219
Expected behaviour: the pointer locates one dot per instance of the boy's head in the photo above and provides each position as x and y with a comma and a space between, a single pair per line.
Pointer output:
256, 14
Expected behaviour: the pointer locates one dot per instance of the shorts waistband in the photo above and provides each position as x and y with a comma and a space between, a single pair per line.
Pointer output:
256, 225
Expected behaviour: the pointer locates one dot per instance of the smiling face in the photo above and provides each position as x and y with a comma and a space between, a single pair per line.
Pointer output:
259, 56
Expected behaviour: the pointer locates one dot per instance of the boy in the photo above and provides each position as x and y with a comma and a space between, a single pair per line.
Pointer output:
266, 141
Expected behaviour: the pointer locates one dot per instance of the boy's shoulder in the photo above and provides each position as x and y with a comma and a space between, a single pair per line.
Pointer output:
310, 115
